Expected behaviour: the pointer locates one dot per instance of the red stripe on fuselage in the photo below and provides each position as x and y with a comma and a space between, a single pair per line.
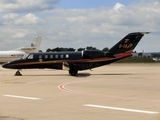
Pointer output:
117, 56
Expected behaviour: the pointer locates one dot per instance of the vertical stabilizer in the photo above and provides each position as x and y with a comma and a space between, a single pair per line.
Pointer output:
128, 43
33, 47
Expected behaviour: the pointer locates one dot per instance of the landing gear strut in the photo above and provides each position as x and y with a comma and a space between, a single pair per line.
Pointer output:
18, 73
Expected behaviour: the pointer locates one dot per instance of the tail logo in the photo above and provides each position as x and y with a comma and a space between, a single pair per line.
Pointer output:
125, 45
32, 45
126, 40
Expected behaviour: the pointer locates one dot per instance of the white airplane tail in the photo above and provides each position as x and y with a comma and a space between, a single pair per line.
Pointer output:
34, 47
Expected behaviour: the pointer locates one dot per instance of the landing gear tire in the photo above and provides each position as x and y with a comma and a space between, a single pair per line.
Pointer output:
73, 72
18, 73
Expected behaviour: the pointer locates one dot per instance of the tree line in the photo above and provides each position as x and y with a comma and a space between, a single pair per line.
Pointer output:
58, 49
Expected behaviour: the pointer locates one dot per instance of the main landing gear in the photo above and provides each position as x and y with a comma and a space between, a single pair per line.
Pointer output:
73, 71
18, 73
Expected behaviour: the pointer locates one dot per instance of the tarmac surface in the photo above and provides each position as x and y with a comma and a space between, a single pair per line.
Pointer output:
112, 92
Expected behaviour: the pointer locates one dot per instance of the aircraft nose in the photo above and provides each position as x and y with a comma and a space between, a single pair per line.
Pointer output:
6, 65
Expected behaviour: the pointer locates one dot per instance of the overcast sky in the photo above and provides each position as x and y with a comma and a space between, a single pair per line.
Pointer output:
78, 23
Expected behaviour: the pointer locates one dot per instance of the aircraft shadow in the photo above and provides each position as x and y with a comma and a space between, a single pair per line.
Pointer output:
83, 75
80, 75
114, 74
105, 74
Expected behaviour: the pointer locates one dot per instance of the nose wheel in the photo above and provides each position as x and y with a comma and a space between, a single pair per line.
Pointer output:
18, 73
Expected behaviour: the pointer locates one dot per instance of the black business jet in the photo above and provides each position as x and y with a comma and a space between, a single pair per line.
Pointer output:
77, 61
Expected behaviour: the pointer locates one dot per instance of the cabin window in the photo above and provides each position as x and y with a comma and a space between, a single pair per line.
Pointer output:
56, 56
46, 56
40, 56
30, 56
61, 56
67, 56
51, 56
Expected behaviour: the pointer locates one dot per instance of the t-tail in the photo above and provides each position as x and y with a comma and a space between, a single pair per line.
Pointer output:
33, 47
127, 44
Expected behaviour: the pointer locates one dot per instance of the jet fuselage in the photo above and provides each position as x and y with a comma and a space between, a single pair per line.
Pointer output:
80, 60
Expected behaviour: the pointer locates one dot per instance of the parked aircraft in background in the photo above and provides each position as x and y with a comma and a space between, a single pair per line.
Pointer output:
10, 55
155, 56
79, 60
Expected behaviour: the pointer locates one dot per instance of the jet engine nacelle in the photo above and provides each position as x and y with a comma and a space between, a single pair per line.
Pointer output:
93, 54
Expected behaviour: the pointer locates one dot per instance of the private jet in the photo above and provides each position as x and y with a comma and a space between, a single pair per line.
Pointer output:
155, 56
10, 55
77, 60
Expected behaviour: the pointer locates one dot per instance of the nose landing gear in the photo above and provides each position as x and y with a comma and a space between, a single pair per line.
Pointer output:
18, 73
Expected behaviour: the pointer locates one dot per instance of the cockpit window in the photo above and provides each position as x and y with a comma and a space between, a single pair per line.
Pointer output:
25, 56
30, 56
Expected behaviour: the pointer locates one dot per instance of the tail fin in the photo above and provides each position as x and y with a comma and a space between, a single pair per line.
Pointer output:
34, 47
128, 43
